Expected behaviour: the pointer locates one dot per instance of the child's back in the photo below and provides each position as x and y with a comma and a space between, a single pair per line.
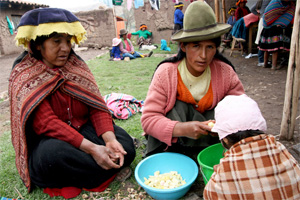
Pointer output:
255, 166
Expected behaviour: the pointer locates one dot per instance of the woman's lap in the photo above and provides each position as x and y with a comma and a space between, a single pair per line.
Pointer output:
183, 112
55, 163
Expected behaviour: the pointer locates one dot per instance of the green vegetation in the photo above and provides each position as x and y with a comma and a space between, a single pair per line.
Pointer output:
133, 78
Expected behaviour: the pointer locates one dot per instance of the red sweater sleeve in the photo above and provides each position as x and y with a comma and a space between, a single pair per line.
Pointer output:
45, 122
102, 121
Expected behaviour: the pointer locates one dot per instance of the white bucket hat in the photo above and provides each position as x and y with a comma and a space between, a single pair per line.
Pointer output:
116, 42
237, 113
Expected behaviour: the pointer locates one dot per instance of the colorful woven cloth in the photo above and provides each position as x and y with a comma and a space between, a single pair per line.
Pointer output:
30, 82
123, 106
258, 168
4, 198
44, 21
278, 14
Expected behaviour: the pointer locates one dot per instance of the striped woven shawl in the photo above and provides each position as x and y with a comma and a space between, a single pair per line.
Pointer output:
278, 14
30, 82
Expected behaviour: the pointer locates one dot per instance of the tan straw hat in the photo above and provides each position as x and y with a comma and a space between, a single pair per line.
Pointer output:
199, 24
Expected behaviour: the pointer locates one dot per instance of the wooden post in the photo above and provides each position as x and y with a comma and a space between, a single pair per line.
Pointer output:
292, 84
224, 11
217, 10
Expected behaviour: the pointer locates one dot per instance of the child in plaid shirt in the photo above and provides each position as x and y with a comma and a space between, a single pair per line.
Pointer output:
255, 165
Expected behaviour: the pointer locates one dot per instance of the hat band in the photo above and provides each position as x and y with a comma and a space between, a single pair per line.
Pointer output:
199, 29
231, 9
144, 26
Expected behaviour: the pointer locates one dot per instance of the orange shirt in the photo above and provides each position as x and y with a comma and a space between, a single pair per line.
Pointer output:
183, 94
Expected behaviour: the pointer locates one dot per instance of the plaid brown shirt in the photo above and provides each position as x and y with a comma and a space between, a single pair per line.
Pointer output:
257, 168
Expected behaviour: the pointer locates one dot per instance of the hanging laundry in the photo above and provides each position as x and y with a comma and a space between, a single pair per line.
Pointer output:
138, 3
117, 2
123, 106
129, 4
155, 4
108, 3
10, 26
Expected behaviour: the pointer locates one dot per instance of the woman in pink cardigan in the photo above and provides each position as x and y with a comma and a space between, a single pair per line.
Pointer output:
186, 88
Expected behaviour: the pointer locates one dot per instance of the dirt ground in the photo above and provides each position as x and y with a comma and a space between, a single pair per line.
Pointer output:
264, 85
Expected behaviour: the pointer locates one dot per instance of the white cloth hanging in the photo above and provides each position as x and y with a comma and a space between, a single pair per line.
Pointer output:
155, 4
129, 4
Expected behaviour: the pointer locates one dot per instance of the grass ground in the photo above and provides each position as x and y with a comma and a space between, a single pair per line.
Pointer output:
133, 78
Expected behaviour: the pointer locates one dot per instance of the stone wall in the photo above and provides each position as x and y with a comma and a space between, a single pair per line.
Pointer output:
100, 26
7, 42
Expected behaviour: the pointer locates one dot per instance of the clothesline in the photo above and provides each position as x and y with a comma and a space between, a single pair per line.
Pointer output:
155, 4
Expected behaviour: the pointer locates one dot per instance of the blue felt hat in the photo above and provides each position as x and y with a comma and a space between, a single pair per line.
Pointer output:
45, 21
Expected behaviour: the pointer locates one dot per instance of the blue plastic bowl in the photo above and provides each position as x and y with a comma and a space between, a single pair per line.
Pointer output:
166, 162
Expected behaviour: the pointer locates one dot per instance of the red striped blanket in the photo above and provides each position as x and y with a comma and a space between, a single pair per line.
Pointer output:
30, 82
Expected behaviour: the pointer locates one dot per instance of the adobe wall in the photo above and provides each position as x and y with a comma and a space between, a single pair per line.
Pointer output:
100, 26
7, 42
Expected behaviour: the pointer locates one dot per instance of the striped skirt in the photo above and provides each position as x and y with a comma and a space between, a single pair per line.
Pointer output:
275, 38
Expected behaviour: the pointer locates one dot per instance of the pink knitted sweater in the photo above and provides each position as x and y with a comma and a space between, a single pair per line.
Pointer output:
162, 92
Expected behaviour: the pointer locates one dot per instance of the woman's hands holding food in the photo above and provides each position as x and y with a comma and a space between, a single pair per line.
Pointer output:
109, 156
192, 129
115, 146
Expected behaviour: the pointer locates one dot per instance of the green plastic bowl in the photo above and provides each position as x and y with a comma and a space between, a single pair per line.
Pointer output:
209, 157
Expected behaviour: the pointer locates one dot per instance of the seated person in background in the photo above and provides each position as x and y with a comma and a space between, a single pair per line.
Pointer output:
255, 165
242, 9
240, 28
127, 48
62, 131
144, 36
116, 53
186, 88
164, 45
231, 20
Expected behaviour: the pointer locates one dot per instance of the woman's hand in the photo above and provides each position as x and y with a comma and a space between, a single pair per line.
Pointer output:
112, 143
103, 156
192, 129
118, 149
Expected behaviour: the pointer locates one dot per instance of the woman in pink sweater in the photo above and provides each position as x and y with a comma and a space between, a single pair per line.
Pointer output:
186, 88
